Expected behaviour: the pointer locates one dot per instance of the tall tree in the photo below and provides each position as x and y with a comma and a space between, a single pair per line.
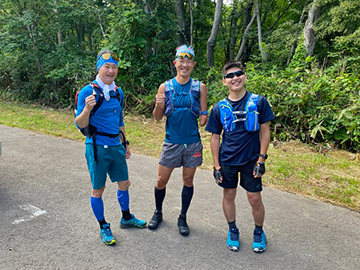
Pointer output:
184, 31
257, 12
214, 31
244, 36
309, 32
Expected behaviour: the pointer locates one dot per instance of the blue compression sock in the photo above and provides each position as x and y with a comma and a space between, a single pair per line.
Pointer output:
123, 199
97, 206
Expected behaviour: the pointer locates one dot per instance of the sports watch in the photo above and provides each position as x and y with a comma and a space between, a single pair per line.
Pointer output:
204, 112
264, 156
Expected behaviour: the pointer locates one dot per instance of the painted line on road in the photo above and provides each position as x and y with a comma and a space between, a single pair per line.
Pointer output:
33, 210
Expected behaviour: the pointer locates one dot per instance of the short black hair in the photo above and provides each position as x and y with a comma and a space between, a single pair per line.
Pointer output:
232, 64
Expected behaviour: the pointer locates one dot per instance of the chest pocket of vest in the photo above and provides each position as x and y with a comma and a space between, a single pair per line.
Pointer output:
194, 97
250, 116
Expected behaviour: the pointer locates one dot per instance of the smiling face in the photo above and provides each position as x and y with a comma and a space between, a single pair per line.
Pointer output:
108, 72
184, 67
235, 84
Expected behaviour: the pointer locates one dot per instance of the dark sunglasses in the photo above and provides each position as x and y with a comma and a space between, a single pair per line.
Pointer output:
106, 56
233, 74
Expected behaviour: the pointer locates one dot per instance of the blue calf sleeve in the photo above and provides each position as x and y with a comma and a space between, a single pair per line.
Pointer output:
123, 199
97, 206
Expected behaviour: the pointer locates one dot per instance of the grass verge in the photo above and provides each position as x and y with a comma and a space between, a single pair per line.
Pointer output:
294, 167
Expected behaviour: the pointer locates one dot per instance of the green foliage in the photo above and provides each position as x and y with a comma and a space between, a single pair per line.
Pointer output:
145, 42
48, 52
312, 105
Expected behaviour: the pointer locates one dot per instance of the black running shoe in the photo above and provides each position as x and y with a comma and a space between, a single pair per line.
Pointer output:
155, 220
183, 227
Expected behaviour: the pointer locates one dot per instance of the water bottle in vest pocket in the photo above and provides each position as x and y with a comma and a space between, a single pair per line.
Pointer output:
252, 115
226, 115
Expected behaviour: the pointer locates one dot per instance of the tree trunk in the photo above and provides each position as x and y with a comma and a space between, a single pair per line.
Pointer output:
309, 32
180, 12
215, 29
191, 22
57, 16
244, 39
293, 46
263, 53
36, 48
233, 32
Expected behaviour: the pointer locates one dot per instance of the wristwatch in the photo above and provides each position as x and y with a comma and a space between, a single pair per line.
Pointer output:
264, 156
204, 112
127, 142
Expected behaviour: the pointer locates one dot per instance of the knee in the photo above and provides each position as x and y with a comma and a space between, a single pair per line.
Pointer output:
161, 182
124, 185
255, 201
188, 181
97, 193
229, 195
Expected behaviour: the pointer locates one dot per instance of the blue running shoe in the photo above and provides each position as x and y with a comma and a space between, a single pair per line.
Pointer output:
133, 222
233, 242
106, 235
259, 244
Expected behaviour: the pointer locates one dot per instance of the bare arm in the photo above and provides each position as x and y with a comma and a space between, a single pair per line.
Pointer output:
82, 120
159, 109
215, 150
203, 104
264, 141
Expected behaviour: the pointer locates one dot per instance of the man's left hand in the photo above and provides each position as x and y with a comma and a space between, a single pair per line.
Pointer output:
259, 169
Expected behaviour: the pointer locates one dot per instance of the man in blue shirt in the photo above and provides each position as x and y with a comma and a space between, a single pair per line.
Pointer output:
182, 100
241, 151
105, 154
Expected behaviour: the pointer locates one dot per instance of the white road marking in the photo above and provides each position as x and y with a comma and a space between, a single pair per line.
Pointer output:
33, 210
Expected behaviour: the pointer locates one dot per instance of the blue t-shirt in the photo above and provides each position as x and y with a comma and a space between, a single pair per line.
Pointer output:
108, 118
181, 125
239, 146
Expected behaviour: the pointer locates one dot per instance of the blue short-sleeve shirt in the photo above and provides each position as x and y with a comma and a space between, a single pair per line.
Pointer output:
108, 118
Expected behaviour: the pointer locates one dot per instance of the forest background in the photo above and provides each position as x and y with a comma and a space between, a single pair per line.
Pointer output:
303, 56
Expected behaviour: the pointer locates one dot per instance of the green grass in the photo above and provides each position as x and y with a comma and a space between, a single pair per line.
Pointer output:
294, 167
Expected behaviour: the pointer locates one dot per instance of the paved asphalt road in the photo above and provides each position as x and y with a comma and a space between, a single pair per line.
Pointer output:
47, 223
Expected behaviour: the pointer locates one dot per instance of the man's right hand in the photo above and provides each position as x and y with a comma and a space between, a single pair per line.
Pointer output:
90, 102
159, 99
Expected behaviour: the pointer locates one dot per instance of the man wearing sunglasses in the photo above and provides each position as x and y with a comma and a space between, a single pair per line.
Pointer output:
182, 100
105, 154
242, 150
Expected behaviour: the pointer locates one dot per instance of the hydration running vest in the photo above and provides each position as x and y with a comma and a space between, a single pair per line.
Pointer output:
194, 94
90, 130
250, 116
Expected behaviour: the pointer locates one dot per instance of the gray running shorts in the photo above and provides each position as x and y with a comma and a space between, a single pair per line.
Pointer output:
177, 155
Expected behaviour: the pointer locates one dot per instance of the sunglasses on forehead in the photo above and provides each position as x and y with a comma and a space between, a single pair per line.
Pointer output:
233, 74
106, 56
185, 55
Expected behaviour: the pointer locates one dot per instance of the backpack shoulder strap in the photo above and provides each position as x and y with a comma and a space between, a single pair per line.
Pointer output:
120, 96
100, 100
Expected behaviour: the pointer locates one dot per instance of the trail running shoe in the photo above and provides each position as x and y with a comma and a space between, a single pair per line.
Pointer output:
259, 244
133, 222
233, 242
106, 235
155, 220
183, 227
